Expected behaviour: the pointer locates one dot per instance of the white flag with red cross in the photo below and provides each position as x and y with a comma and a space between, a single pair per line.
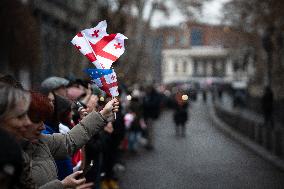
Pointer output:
104, 48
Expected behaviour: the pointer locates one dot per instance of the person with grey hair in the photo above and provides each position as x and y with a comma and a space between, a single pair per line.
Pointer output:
10, 80
14, 104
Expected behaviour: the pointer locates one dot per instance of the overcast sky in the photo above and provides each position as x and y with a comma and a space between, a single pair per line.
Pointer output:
211, 13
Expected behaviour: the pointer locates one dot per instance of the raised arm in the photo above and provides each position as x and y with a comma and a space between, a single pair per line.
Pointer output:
61, 145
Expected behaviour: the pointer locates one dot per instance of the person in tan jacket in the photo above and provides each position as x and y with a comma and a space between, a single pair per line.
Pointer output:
43, 149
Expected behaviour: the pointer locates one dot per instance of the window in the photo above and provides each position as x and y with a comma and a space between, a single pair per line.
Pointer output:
209, 68
196, 37
175, 67
195, 67
183, 40
170, 40
184, 66
199, 68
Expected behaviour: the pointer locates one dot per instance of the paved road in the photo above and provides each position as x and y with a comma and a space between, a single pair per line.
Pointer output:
204, 159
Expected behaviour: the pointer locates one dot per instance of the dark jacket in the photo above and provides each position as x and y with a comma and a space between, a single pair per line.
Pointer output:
180, 113
151, 105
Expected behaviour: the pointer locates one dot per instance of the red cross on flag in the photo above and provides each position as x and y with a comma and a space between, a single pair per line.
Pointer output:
106, 48
81, 44
105, 79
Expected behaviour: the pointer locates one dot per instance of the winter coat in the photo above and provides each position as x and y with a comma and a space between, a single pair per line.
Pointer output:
64, 166
26, 181
151, 105
58, 146
180, 113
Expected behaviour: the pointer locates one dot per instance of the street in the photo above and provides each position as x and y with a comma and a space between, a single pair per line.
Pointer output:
206, 158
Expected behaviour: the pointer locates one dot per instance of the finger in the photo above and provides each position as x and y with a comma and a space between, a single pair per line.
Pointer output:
86, 185
77, 173
80, 181
81, 109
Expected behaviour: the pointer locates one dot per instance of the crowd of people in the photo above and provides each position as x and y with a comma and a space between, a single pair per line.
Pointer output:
68, 134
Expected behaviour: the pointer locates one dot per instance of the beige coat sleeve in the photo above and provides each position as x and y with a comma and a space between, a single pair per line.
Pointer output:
55, 184
61, 145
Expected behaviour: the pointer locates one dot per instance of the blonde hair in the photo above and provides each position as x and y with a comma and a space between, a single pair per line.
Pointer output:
10, 98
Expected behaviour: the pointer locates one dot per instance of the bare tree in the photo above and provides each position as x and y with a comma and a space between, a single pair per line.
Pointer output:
265, 18
133, 18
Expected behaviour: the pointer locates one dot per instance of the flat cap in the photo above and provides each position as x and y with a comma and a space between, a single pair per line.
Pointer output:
53, 83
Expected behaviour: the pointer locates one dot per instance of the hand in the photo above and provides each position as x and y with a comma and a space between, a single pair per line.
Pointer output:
88, 92
89, 89
71, 181
108, 128
111, 107
85, 186
82, 112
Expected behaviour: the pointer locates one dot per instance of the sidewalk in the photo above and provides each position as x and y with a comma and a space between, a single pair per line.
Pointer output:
258, 149
227, 104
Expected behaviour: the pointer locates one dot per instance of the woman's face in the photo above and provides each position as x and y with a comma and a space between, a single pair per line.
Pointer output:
18, 123
34, 130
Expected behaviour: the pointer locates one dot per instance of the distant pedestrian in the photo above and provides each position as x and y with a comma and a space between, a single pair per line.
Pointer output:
204, 95
151, 111
180, 114
220, 93
267, 108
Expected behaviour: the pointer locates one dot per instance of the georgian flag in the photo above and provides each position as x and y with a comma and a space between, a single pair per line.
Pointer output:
81, 44
105, 79
106, 48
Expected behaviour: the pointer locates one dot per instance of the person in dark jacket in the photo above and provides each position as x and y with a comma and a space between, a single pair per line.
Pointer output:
267, 108
180, 114
11, 161
151, 111
96, 150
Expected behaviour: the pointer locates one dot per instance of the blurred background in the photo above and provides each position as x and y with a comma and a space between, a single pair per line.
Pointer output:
199, 43
228, 51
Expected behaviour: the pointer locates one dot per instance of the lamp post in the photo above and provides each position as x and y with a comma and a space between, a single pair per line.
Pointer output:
268, 47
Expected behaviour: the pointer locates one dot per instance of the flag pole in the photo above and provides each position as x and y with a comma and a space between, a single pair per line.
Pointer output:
114, 112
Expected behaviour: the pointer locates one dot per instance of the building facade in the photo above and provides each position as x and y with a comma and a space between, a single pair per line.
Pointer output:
36, 37
198, 64
202, 54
